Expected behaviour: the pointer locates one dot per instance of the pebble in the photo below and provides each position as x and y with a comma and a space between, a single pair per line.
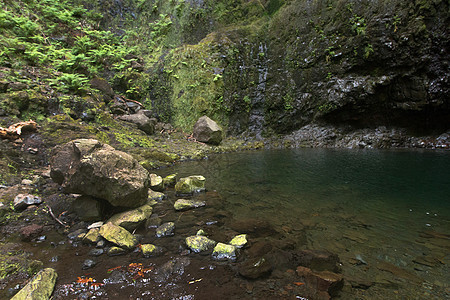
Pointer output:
88, 263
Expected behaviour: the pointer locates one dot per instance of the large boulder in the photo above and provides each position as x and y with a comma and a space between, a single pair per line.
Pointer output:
88, 167
40, 287
141, 119
207, 131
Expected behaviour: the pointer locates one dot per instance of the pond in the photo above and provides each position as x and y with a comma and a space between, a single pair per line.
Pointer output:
385, 213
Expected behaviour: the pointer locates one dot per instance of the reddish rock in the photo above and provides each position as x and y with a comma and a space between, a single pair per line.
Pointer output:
324, 281
31, 231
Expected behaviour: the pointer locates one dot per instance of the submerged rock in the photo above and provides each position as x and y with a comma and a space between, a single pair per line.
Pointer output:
118, 235
173, 267
40, 287
132, 218
255, 268
318, 260
207, 131
199, 243
89, 263
184, 204
155, 196
322, 281
165, 229
88, 167
190, 185
224, 252
239, 241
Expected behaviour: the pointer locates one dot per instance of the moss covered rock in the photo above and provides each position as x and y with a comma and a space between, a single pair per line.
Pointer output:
199, 243
118, 235
132, 218
190, 185
224, 252
40, 287
239, 241
185, 204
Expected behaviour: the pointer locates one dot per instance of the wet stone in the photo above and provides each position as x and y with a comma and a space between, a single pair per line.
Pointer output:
184, 204
201, 232
93, 236
77, 235
173, 267
255, 268
149, 250
88, 263
224, 252
113, 251
153, 222
170, 180
132, 218
155, 196
96, 252
190, 185
31, 231
239, 241
199, 243
166, 229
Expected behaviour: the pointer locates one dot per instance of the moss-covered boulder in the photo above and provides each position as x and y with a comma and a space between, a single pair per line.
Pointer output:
185, 204
132, 218
88, 167
118, 235
190, 185
239, 241
113, 251
40, 287
199, 243
224, 252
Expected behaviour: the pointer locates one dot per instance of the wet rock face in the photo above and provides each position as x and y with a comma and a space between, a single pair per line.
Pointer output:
207, 131
91, 168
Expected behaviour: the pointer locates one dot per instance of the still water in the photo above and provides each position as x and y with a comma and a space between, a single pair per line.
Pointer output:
385, 213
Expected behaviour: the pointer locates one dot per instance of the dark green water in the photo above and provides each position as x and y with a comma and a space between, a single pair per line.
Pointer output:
385, 213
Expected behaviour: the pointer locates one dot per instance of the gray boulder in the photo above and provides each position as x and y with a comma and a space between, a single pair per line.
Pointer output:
207, 131
142, 120
91, 168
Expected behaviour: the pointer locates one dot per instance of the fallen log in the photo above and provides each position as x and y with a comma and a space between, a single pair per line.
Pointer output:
14, 131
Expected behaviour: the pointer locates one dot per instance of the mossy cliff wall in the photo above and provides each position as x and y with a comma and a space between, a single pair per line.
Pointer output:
274, 66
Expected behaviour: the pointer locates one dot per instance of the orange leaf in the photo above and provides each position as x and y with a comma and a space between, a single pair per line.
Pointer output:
112, 269
298, 283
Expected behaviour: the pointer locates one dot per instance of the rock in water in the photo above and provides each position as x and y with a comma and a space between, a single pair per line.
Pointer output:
255, 268
189, 185
184, 204
207, 131
40, 287
118, 235
91, 168
199, 243
224, 252
166, 229
132, 218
